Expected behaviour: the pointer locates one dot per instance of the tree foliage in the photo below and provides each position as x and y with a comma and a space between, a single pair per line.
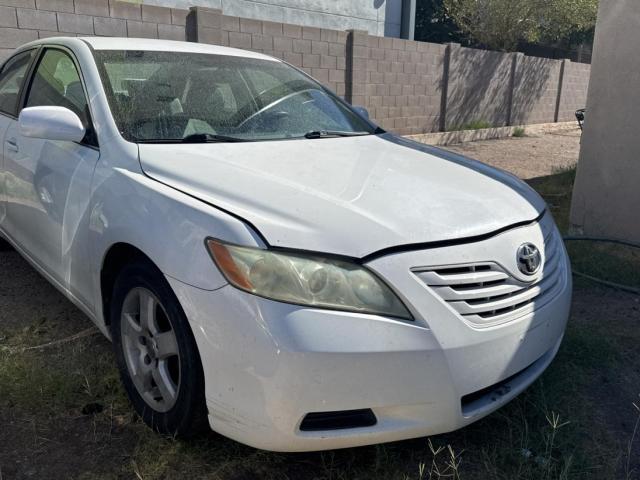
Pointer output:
502, 24
434, 25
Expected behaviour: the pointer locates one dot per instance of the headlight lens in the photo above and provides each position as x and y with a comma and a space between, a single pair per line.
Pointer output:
306, 280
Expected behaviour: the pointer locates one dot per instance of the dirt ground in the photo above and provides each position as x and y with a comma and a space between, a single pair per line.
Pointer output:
64, 415
529, 156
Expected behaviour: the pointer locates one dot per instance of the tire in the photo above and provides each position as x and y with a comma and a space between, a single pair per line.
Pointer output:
168, 390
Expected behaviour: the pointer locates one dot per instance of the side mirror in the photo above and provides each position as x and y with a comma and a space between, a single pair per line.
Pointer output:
362, 111
51, 123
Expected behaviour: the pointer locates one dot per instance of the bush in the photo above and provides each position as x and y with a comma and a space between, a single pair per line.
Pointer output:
518, 132
472, 125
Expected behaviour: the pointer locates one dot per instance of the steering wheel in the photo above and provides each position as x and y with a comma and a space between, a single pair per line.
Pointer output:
248, 110
281, 113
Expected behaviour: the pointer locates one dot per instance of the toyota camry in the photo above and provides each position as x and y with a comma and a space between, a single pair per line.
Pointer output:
264, 258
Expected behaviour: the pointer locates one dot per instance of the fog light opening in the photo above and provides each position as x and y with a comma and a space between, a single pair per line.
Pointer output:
318, 421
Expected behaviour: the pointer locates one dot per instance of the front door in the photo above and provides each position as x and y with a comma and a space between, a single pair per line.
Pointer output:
50, 180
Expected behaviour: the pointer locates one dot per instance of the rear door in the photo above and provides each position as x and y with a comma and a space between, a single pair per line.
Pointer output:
47, 204
12, 75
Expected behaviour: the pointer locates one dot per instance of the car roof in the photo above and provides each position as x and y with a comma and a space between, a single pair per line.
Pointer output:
148, 44
121, 43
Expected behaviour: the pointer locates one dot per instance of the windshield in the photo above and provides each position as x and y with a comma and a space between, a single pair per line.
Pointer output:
170, 96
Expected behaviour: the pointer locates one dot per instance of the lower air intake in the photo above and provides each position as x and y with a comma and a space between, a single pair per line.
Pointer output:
318, 421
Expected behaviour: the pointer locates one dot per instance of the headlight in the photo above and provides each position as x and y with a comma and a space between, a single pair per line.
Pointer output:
306, 280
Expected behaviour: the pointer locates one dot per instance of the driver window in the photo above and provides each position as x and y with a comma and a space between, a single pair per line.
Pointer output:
56, 82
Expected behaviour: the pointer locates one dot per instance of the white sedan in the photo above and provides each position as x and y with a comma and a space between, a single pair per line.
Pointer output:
264, 258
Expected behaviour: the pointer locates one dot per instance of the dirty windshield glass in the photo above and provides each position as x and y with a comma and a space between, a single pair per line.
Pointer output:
176, 96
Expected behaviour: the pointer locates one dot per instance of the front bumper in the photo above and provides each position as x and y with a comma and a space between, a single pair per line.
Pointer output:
268, 364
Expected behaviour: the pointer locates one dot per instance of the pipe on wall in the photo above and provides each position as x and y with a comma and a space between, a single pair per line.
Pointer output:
408, 25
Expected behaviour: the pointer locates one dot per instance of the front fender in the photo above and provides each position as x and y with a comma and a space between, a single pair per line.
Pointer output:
168, 226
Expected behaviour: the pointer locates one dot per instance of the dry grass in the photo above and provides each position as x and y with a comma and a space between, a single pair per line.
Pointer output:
557, 429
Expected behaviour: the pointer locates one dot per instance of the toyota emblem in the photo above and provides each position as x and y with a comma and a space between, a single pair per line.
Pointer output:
529, 258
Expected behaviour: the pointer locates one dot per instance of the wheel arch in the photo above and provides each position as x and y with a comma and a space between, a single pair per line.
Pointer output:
190, 416
115, 259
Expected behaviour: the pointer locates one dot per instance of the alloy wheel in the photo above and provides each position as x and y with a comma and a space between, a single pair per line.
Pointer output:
150, 349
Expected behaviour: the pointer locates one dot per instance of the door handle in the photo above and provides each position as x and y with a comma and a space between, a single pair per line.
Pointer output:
12, 145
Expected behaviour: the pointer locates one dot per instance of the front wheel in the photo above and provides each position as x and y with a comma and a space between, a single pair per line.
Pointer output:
156, 353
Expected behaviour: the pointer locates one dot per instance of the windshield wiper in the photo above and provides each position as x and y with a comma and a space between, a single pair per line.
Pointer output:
193, 138
333, 133
210, 138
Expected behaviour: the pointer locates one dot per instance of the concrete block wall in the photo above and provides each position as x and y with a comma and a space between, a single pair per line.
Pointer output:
575, 81
320, 52
22, 21
536, 89
408, 87
415, 87
402, 85
479, 87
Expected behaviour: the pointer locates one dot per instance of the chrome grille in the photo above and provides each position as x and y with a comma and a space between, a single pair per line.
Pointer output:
485, 293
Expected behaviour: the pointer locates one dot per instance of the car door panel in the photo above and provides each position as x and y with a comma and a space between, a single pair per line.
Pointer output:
48, 185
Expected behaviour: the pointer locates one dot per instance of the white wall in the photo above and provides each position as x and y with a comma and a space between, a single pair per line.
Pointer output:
378, 17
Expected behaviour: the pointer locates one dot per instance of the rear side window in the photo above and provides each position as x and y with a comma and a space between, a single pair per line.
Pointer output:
11, 79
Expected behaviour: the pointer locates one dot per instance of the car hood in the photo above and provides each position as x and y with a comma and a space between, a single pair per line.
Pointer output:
349, 196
